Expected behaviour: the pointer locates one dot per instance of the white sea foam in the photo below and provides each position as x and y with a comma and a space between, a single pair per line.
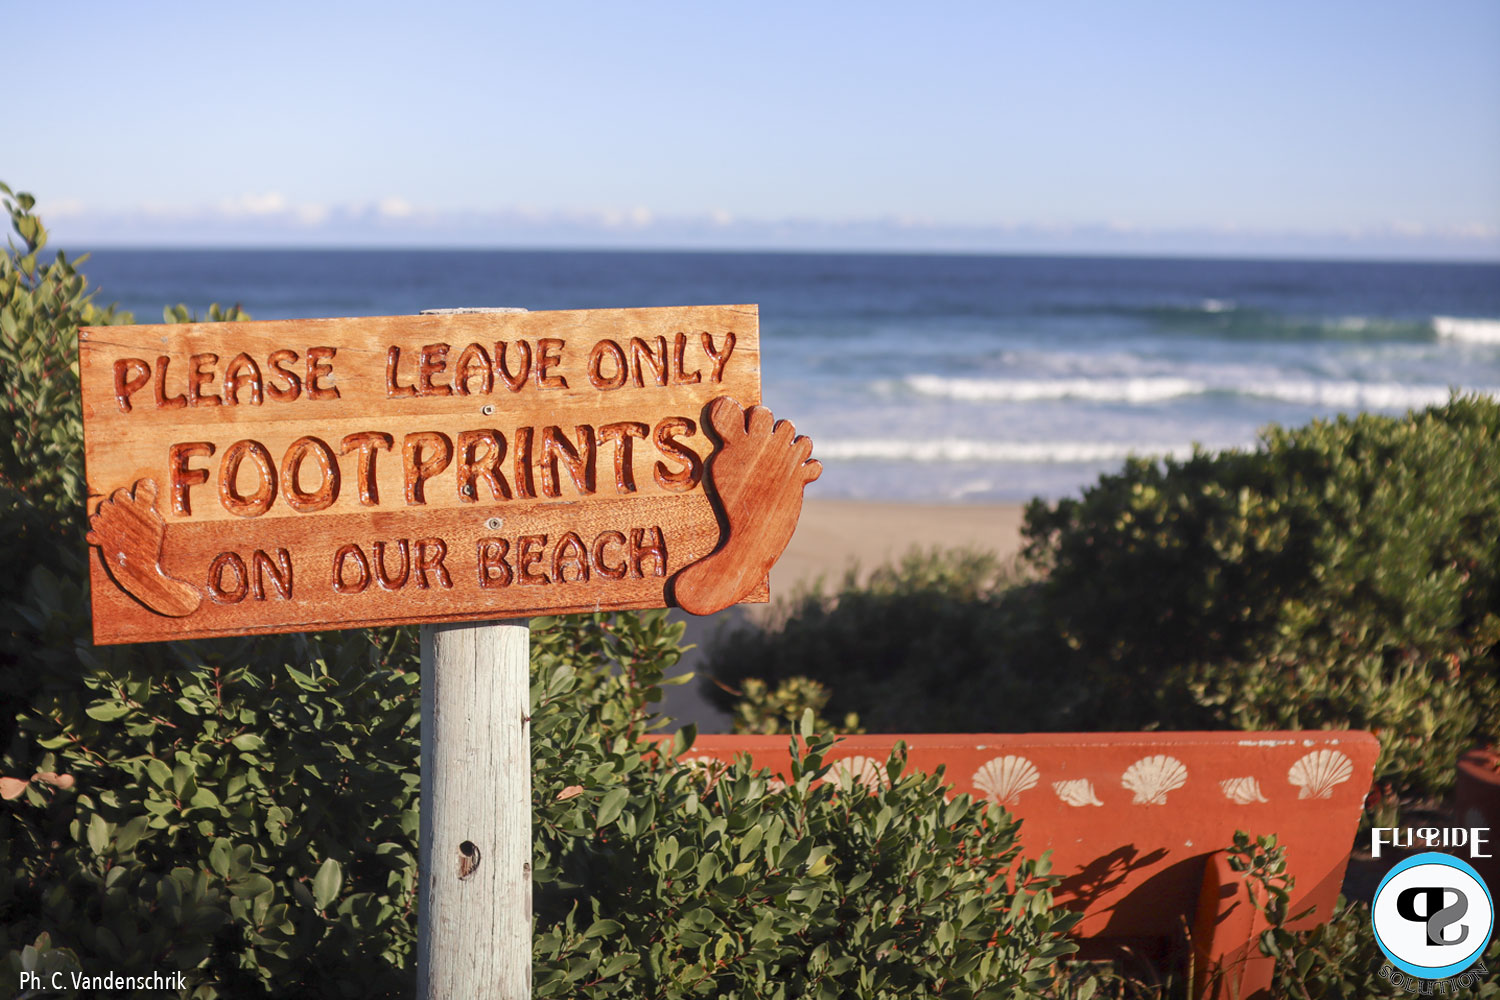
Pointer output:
1349, 394
982, 450
1343, 393
1473, 330
1149, 389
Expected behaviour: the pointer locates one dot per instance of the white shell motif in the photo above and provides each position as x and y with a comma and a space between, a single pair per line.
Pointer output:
1076, 792
1242, 790
1003, 778
859, 770
1318, 772
1151, 778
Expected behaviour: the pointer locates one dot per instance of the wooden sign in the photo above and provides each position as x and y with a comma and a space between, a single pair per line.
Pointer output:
311, 474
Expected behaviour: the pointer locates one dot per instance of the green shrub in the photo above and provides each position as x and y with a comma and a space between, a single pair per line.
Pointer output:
896, 651
41, 428
759, 708
245, 810
670, 881
1345, 574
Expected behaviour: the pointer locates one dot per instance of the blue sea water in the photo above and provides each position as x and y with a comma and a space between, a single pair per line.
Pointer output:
951, 378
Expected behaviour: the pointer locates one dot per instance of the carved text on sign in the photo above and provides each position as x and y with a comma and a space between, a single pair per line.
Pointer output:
261, 477
479, 464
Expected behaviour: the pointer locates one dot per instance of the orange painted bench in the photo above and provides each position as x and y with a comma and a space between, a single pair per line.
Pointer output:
1137, 823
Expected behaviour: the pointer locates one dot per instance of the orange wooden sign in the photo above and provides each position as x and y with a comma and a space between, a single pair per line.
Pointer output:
313, 474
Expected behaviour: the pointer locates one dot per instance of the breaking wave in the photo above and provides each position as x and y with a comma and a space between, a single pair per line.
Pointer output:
1155, 389
981, 450
1227, 318
1470, 330
1150, 389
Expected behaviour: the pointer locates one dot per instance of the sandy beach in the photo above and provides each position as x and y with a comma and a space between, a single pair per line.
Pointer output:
832, 537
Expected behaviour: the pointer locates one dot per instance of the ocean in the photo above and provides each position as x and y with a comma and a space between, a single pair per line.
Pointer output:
951, 378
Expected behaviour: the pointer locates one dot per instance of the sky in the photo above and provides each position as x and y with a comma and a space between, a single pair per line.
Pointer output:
1354, 129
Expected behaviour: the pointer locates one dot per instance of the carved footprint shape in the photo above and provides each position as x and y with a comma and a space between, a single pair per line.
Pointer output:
758, 476
130, 532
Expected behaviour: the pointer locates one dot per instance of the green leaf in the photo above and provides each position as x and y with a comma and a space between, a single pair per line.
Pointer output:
604, 928
618, 964
300, 890
218, 857
98, 834
107, 711
609, 807
203, 798
251, 887
304, 681
159, 773
327, 882
130, 834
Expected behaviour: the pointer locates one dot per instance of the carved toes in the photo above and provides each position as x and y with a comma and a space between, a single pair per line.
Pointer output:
728, 418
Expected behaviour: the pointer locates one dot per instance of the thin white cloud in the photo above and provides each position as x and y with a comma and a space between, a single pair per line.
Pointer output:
312, 215
638, 217
271, 218
395, 208
270, 203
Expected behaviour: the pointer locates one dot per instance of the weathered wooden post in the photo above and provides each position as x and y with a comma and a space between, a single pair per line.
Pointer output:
457, 467
474, 915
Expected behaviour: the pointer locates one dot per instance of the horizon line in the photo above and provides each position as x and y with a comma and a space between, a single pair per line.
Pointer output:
1227, 256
